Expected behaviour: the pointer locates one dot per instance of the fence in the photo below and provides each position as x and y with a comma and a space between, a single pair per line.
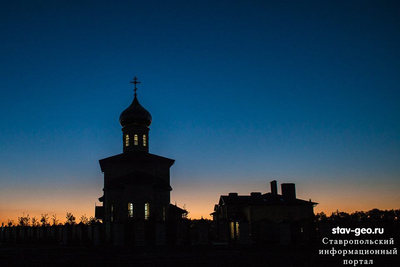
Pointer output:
57, 234
138, 233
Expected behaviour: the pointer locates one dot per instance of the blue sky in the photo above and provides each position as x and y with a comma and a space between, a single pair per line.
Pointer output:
241, 93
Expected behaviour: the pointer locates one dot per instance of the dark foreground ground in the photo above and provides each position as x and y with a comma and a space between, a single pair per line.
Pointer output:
216, 255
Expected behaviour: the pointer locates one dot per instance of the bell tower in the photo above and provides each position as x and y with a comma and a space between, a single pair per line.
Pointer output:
135, 121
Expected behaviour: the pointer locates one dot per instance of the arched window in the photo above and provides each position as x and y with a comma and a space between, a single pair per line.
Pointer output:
144, 140
127, 140
146, 211
130, 210
135, 140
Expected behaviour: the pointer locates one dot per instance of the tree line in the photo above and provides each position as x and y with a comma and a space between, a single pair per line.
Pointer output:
45, 220
374, 215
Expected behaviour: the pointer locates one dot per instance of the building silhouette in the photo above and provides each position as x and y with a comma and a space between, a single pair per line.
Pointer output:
269, 218
136, 199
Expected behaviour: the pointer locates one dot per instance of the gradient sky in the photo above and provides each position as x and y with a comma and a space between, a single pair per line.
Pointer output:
241, 93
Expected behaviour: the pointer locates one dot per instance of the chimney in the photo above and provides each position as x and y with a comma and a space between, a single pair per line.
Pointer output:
274, 188
288, 191
233, 194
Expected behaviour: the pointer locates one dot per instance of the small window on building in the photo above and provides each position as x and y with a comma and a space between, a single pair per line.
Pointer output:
144, 140
163, 214
127, 140
112, 213
135, 140
234, 230
146, 211
130, 210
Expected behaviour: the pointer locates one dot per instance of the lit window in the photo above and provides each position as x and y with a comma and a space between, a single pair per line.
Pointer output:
130, 210
127, 140
234, 230
135, 140
144, 140
146, 211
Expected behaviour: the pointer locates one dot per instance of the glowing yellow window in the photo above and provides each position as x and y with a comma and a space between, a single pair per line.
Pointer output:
144, 140
130, 210
127, 140
234, 230
146, 211
135, 140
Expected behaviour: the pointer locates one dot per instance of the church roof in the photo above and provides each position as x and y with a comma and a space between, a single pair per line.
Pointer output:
129, 157
175, 209
135, 114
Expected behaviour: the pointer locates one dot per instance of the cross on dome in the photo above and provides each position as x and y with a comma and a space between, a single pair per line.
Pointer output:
135, 82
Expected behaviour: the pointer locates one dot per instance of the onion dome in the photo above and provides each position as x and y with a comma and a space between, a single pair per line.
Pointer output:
135, 114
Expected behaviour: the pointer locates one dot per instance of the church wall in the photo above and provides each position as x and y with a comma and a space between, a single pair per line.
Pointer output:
120, 169
138, 196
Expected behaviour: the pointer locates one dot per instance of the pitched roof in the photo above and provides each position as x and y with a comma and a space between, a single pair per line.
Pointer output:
129, 157
262, 200
140, 178
175, 209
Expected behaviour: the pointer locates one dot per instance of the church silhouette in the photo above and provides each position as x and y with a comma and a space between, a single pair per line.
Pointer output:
136, 201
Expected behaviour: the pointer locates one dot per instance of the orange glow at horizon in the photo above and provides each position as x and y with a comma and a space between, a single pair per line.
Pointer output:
196, 210
198, 199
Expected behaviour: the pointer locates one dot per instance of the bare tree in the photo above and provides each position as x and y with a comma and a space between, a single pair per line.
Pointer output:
185, 214
35, 221
84, 219
24, 220
70, 219
45, 220
54, 219
93, 220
